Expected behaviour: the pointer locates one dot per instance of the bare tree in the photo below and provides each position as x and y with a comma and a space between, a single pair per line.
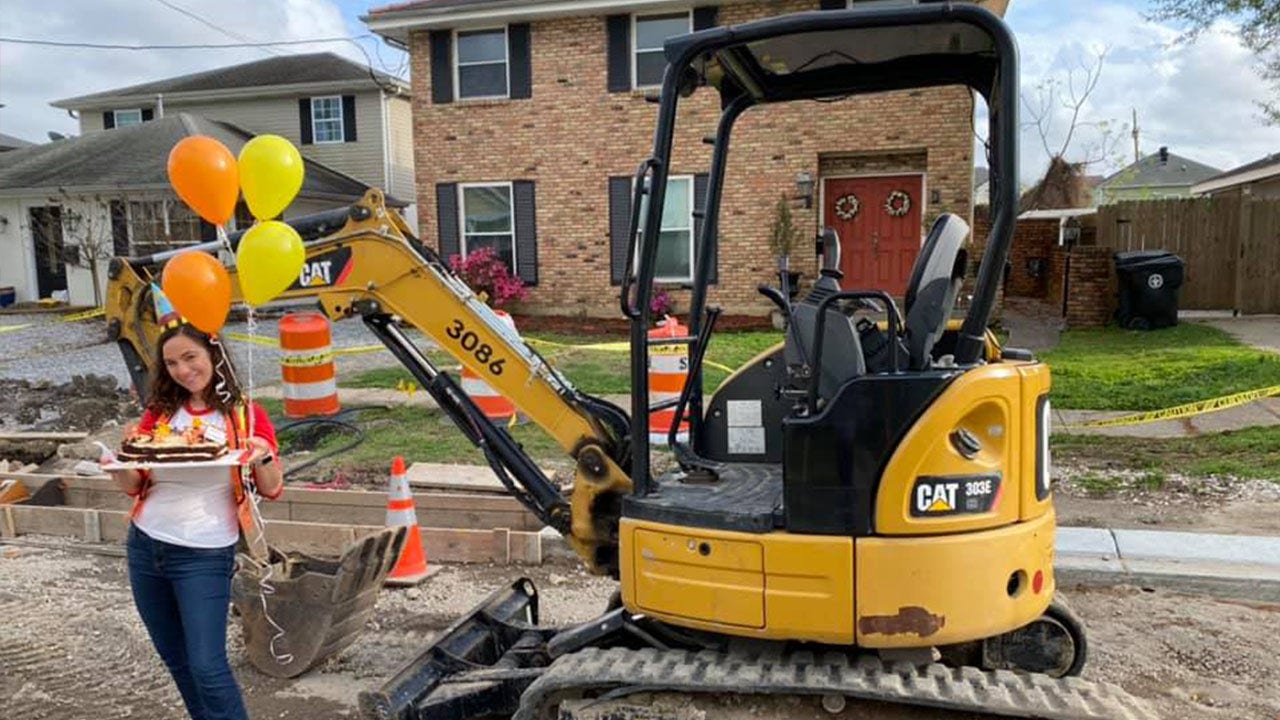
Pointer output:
79, 235
1070, 91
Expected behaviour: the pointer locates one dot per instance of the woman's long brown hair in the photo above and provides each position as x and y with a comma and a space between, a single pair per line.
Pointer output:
165, 395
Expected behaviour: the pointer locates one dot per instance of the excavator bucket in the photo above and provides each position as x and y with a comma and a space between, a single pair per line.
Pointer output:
477, 668
299, 609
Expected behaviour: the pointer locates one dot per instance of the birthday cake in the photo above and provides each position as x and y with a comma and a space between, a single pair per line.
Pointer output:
163, 445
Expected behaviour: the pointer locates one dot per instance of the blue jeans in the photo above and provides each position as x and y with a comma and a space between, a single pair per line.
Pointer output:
182, 594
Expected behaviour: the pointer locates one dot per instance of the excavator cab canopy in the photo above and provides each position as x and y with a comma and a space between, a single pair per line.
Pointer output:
825, 54
822, 56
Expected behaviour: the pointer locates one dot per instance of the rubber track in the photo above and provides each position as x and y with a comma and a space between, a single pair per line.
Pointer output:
998, 692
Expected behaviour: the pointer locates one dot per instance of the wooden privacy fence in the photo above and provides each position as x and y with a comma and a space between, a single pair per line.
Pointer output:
1231, 246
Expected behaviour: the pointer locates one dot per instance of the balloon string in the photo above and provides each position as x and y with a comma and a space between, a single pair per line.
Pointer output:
224, 371
251, 325
225, 239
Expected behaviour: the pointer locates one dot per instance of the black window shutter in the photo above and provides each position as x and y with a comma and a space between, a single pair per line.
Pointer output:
699, 199
148, 114
618, 32
705, 17
349, 118
304, 120
108, 119
441, 66
526, 231
447, 219
619, 226
119, 229
832, 4
521, 64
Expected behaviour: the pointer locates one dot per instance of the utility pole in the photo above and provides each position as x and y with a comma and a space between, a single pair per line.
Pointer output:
1137, 154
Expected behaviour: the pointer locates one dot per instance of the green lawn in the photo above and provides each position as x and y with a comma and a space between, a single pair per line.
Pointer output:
1249, 453
1114, 369
418, 434
597, 371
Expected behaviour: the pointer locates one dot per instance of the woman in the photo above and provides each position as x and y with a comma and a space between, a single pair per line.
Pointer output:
182, 539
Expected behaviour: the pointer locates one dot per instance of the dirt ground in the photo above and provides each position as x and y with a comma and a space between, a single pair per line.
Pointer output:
72, 647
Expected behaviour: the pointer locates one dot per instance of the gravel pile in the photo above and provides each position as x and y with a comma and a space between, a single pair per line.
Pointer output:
55, 351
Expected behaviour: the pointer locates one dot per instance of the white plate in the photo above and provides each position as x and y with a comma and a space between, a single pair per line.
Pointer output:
231, 459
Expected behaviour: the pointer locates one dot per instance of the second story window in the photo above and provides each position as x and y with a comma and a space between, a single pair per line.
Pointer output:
487, 220
326, 119
128, 117
649, 33
482, 63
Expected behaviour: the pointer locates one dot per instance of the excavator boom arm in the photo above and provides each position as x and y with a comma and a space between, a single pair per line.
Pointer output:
372, 267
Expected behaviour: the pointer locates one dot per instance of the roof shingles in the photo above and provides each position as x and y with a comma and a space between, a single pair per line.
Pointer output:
286, 70
135, 157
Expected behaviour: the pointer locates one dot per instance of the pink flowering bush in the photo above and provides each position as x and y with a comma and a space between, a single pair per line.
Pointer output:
489, 277
661, 303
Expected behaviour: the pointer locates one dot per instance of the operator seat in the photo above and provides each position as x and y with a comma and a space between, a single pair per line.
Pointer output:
935, 282
842, 358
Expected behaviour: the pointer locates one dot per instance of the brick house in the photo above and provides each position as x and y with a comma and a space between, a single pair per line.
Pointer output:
530, 118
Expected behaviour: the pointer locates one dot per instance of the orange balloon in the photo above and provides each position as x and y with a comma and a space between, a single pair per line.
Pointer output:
199, 288
203, 172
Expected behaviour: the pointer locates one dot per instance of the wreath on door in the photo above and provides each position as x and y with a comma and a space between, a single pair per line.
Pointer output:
898, 203
847, 206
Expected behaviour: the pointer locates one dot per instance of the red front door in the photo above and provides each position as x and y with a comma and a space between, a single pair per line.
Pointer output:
878, 219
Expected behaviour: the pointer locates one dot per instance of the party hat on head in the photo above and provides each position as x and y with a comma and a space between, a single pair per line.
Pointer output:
166, 316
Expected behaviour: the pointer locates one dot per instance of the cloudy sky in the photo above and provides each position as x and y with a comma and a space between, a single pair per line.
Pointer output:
1197, 99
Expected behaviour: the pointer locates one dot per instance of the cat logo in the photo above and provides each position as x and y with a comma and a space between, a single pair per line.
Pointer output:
933, 498
315, 273
331, 268
954, 495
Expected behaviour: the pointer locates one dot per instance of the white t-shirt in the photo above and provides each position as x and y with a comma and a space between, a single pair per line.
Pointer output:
193, 507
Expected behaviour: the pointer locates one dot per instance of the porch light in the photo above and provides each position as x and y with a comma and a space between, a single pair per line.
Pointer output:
804, 188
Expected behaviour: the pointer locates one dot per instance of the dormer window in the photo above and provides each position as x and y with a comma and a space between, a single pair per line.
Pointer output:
127, 117
481, 70
648, 62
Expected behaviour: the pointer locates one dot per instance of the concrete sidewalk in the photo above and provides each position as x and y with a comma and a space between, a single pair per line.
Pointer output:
1239, 566
1264, 412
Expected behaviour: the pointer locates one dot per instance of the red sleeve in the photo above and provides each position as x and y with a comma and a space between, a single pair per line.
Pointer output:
263, 428
148, 421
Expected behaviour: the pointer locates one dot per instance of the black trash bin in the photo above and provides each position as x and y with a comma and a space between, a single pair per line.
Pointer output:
1149, 282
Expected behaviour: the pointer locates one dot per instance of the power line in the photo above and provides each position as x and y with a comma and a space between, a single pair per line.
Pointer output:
210, 24
194, 46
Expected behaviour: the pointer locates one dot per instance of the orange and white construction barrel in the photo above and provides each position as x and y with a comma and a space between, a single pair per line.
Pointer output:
668, 372
306, 364
494, 405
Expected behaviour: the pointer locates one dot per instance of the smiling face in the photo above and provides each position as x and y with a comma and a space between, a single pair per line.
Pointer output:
188, 362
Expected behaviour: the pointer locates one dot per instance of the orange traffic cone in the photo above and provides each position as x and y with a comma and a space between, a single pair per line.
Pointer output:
411, 568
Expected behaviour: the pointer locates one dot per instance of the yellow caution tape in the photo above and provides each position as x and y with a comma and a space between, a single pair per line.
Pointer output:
1181, 411
271, 342
311, 360
11, 328
84, 315
605, 347
255, 339
359, 350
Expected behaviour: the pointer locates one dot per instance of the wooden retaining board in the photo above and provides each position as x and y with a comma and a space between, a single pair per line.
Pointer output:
500, 545
346, 507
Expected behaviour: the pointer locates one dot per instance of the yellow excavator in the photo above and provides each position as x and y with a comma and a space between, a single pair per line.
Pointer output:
862, 513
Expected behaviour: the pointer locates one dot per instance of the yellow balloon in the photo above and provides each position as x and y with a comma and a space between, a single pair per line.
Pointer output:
268, 261
271, 172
